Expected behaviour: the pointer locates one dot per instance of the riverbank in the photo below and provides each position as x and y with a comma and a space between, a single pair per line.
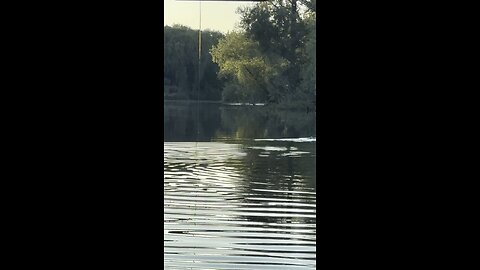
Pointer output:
191, 101
297, 106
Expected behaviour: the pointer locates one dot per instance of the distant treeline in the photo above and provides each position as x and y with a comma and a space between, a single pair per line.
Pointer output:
180, 76
271, 59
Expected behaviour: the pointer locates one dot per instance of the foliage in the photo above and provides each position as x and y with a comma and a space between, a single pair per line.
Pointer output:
240, 60
274, 58
271, 59
181, 69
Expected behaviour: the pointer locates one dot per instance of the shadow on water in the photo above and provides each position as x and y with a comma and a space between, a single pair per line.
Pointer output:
232, 202
215, 122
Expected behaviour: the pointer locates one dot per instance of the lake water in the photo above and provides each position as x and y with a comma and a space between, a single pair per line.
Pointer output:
237, 197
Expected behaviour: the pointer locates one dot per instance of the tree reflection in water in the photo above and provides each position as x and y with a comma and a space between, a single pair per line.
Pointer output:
216, 122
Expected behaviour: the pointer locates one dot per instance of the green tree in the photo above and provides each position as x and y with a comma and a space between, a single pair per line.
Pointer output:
286, 36
241, 61
181, 69
278, 27
309, 67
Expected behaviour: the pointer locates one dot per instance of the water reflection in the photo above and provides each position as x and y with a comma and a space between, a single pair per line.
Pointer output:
217, 122
236, 203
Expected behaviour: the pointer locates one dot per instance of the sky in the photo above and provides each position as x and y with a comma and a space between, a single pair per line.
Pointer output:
219, 16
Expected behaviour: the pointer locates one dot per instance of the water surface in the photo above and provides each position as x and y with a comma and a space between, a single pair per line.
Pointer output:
237, 197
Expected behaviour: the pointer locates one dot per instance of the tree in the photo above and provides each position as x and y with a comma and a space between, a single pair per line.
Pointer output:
274, 58
285, 31
241, 61
309, 68
181, 70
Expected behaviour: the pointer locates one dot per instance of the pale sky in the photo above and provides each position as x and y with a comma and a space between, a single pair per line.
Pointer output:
219, 16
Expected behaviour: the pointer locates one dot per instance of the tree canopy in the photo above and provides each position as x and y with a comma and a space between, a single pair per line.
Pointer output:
181, 69
272, 58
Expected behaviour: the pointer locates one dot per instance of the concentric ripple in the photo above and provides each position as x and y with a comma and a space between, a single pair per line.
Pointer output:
232, 206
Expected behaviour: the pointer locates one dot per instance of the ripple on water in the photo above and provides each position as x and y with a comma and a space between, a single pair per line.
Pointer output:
226, 207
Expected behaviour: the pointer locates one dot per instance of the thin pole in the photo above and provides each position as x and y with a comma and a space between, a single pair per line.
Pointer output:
199, 69
198, 110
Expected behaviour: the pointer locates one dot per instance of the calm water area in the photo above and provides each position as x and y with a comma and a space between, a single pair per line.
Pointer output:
239, 187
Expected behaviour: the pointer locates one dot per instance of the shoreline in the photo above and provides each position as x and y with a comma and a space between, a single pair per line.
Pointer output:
213, 101
281, 107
